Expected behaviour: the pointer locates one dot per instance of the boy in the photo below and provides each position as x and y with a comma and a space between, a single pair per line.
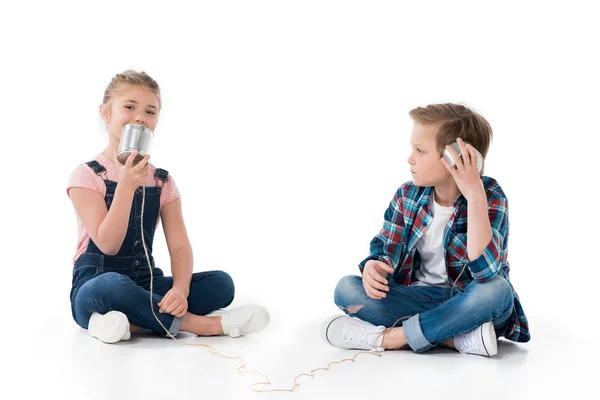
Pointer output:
439, 264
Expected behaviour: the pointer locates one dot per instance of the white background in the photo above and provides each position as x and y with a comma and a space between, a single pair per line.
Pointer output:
285, 125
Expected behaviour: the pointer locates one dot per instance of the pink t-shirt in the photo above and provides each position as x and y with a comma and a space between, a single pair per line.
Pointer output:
84, 177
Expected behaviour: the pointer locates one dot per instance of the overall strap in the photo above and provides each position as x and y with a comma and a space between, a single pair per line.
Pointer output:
98, 169
161, 176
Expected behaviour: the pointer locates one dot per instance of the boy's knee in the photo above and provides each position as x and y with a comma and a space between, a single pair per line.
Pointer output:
348, 288
495, 292
353, 309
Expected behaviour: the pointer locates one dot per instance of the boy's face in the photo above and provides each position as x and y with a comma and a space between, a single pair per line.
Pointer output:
424, 159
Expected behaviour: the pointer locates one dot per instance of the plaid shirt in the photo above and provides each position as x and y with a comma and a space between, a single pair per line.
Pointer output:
405, 222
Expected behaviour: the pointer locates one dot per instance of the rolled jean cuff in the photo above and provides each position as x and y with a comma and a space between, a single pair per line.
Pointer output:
174, 328
414, 335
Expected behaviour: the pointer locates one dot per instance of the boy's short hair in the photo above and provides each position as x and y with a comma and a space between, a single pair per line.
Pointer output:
456, 121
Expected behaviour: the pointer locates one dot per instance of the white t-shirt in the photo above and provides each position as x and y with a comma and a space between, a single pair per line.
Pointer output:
433, 265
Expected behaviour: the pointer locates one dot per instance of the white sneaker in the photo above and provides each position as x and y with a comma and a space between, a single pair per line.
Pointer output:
110, 327
481, 341
242, 320
353, 334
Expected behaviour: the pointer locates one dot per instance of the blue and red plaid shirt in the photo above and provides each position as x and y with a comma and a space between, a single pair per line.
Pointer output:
405, 222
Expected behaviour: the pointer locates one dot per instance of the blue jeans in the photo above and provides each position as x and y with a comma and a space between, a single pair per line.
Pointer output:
103, 289
431, 314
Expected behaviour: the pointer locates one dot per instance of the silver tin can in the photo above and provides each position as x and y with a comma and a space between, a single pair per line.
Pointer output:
134, 137
456, 148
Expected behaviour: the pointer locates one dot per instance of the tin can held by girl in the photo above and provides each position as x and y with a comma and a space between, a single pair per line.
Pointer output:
134, 137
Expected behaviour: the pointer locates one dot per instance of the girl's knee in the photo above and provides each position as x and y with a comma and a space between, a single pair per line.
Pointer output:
225, 288
101, 294
209, 291
106, 284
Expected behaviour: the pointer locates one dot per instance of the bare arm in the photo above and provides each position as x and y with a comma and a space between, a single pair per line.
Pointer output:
179, 245
107, 228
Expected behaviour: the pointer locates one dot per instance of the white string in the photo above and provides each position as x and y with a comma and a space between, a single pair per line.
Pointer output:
213, 351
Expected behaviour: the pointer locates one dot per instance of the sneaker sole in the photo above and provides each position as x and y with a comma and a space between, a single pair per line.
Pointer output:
490, 344
326, 326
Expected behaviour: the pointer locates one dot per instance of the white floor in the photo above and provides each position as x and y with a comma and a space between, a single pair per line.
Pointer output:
286, 128
64, 362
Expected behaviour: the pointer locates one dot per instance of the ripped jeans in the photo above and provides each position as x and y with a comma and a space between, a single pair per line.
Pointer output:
429, 314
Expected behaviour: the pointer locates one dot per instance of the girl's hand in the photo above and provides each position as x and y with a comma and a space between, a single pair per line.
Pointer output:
133, 176
174, 303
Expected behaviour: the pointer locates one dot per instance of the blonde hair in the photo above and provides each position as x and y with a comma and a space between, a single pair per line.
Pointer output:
133, 78
455, 121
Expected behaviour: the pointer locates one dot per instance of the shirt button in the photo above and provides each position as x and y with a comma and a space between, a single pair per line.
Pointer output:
136, 263
137, 242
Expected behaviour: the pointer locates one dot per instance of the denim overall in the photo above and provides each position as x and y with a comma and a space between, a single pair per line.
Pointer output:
121, 282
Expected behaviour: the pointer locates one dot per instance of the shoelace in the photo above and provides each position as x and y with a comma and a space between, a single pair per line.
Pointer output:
360, 335
467, 341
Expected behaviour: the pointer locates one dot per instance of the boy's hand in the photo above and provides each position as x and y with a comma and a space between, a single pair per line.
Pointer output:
465, 174
375, 279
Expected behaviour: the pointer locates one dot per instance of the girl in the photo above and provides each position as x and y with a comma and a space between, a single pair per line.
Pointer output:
111, 278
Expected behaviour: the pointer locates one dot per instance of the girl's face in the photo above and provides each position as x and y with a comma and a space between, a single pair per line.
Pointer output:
133, 105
